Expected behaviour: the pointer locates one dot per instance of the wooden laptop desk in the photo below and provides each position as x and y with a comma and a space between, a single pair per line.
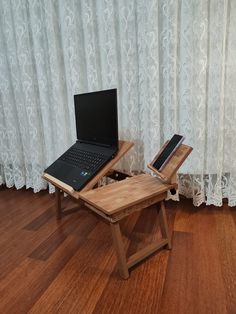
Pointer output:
118, 200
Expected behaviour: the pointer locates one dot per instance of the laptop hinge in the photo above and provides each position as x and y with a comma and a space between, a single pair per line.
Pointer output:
92, 143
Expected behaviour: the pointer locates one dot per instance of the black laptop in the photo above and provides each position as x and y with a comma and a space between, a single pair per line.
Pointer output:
97, 139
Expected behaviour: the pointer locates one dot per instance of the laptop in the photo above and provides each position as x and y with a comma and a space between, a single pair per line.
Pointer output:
97, 139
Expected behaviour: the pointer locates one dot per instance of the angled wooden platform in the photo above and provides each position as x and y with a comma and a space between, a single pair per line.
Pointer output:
124, 147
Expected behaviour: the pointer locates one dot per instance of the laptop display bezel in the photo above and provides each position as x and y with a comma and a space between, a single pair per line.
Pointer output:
95, 140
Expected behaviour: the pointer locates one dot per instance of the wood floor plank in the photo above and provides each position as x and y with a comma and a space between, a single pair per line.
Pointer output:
233, 213
81, 283
26, 283
22, 243
72, 263
85, 272
194, 281
40, 220
226, 243
20, 213
13, 252
120, 296
47, 247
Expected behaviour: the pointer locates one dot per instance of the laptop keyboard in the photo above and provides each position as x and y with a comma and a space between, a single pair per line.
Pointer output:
88, 161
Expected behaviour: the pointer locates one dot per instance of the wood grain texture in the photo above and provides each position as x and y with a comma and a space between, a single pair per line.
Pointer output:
41, 220
120, 195
226, 244
201, 267
233, 211
77, 273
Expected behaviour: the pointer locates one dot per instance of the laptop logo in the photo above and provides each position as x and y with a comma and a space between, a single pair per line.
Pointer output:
84, 173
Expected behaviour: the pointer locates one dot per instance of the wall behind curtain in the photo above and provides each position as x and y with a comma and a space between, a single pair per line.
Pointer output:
172, 62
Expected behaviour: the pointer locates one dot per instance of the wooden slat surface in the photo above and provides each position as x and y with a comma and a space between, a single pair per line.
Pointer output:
124, 147
114, 197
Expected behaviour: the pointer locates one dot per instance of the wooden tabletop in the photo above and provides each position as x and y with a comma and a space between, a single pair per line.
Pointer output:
114, 197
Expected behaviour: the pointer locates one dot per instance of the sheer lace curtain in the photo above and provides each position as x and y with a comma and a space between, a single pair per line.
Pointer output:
173, 63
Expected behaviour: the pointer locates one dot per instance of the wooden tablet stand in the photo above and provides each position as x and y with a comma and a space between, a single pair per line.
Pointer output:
168, 173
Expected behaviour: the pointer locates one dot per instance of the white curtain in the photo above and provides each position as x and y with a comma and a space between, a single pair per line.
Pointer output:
173, 63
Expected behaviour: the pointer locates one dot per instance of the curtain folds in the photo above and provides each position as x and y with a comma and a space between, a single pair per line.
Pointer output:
173, 63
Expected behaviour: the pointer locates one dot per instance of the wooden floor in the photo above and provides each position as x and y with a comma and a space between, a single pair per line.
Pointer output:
48, 266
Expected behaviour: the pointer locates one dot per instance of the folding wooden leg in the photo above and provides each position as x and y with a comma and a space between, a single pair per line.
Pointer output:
123, 263
163, 224
120, 252
58, 203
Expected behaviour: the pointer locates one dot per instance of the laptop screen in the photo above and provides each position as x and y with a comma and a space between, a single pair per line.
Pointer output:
96, 117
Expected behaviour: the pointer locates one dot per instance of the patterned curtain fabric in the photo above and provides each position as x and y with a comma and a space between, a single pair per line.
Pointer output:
173, 63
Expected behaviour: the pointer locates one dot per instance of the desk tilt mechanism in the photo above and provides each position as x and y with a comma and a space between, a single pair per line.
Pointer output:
118, 200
